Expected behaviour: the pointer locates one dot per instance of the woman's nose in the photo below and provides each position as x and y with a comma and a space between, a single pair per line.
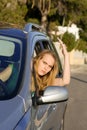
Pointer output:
46, 67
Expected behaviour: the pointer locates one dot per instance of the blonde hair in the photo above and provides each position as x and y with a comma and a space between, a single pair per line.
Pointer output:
46, 80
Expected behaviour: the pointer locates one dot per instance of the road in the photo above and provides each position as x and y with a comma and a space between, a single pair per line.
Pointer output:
76, 112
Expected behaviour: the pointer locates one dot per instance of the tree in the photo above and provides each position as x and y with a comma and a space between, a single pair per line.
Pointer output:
44, 7
51, 13
12, 12
82, 45
69, 40
76, 12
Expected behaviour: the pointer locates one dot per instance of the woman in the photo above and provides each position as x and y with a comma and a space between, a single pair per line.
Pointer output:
46, 69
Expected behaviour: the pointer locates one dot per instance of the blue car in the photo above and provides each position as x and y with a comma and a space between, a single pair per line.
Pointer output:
17, 111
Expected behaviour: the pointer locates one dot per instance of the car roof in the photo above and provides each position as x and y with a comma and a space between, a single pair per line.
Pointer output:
14, 32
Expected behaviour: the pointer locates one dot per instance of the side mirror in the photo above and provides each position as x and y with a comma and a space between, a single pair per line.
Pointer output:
53, 94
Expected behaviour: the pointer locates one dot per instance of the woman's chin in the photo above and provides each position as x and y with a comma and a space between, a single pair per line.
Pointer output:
41, 74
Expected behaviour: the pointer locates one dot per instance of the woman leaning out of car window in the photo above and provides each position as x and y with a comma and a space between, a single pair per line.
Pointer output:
46, 68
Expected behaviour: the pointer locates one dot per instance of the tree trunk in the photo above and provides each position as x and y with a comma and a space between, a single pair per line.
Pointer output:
44, 20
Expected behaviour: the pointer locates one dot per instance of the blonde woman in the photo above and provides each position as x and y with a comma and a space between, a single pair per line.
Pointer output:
46, 69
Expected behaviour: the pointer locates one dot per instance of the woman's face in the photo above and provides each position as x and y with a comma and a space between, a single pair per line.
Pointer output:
45, 64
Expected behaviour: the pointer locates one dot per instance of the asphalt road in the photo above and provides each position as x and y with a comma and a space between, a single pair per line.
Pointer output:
76, 112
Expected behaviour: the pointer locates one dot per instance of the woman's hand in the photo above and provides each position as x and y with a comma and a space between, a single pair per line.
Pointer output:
63, 46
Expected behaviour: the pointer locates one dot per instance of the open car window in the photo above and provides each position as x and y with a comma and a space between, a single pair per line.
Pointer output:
40, 46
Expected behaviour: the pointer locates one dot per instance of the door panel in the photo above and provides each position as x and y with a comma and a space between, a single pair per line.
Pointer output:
48, 117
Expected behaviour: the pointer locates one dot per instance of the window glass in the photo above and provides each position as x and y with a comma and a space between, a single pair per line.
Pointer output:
40, 45
10, 62
6, 48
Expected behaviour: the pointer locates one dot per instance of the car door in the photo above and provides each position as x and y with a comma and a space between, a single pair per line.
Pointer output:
47, 116
11, 104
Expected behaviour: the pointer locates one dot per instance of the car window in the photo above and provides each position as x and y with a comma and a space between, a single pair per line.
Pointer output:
10, 61
8, 48
41, 45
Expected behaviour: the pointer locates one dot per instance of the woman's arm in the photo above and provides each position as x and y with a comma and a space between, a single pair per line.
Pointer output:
6, 73
65, 80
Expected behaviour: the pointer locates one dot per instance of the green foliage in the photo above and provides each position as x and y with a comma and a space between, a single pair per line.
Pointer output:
69, 40
82, 45
52, 26
83, 23
13, 13
53, 7
19, 13
33, 20
54, 38
83, 35
76, 12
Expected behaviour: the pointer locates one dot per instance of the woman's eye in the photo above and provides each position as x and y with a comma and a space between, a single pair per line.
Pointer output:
50, 67
44, 62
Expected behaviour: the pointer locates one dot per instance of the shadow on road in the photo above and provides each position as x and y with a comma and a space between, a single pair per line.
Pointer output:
78, 79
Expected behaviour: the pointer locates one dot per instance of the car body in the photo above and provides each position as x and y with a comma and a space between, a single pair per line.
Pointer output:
17, 112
